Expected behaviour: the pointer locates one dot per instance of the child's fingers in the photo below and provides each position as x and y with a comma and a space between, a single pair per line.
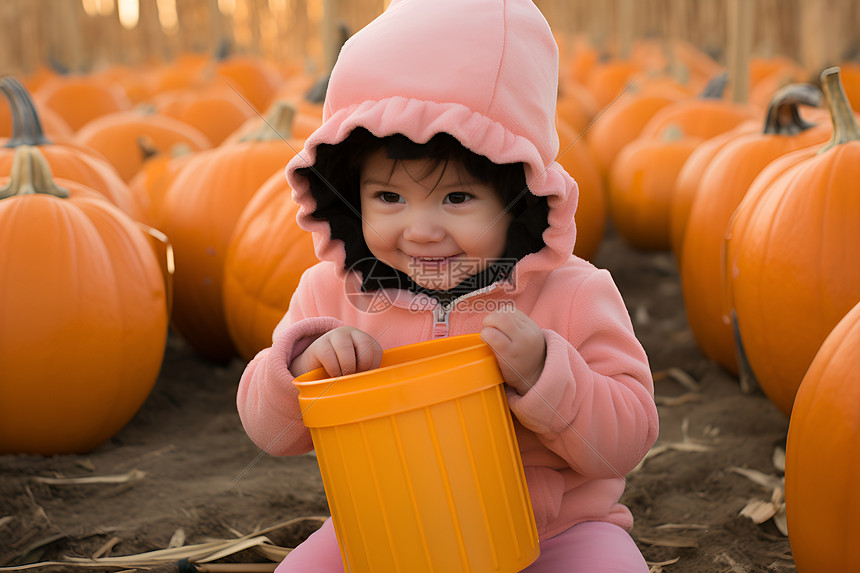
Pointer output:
368, 352
509, 323
334, 352
330, 360
498, 340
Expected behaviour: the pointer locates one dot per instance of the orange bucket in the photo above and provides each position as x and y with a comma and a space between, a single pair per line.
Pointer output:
420, 462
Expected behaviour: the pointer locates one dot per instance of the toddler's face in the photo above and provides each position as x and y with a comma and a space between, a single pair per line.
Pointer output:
440, 227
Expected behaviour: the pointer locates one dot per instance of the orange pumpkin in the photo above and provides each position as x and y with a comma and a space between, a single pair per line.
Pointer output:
640, 188
769, 75
266, 257
622, 122
607, 80
117, 136
690, 177
215, 110
80, 99
199, 213
135, 81
791, 255
700, 67
67, 159
294, 89
644, 174
37, 77
84, 317
580, 59
254, 78
782, 118
154, 178
702, 117
851, 82
187, 70
722, 185
821, 501
578, 160
575, 105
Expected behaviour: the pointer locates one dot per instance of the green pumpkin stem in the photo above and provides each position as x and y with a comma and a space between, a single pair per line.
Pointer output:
26, 125
783, 116
277, 125
31, 174
845, 127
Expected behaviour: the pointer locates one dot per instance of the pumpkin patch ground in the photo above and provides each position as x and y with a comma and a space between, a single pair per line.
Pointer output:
183, 472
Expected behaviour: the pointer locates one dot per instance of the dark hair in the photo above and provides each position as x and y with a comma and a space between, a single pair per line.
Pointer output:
334, 185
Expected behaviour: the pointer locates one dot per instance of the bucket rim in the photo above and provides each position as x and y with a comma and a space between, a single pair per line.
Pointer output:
460, 344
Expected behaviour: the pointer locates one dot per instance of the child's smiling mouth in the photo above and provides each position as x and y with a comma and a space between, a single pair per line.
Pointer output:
433, 261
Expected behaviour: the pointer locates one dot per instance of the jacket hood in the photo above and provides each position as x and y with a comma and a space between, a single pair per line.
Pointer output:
483, 71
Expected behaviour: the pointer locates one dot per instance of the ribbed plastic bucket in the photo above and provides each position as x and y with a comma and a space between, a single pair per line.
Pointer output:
420, 463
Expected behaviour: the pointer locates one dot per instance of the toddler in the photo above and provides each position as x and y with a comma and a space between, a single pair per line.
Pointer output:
437, 209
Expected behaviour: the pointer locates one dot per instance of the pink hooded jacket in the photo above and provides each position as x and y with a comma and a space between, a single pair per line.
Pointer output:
486, 72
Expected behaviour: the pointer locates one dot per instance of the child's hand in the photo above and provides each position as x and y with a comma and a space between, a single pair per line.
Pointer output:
344, 350
519, 346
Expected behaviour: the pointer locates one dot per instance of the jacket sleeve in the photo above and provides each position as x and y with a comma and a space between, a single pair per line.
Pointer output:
267, 399
593, 404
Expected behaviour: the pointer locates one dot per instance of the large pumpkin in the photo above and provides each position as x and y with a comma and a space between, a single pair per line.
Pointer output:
791, 261
84, 314
266, 257
199, 212
821, 465
722, 184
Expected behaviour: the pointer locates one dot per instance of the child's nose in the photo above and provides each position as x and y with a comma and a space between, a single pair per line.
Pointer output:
421, 228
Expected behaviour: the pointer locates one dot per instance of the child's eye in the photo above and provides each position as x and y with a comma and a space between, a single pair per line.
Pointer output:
389, 197
458, 197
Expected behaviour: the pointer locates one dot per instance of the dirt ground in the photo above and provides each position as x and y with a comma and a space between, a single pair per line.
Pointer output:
188, 474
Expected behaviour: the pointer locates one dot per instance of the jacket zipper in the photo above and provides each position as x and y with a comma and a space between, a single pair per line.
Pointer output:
442, 311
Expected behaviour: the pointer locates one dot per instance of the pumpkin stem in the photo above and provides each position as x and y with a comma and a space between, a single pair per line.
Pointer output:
278, 124
716, 87
783, 117
31, 174
26, 126
845, 127
672, 132
147, 147
146, 109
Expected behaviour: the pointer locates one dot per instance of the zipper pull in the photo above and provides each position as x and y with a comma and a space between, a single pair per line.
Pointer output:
440, 320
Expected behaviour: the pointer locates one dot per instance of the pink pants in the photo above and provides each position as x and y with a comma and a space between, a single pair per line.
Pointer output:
590, 547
